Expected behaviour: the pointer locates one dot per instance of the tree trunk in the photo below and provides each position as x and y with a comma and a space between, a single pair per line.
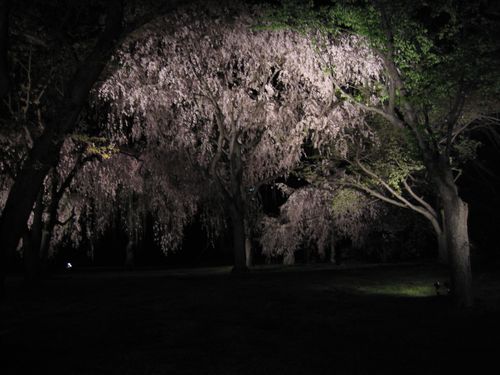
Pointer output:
457, 238
248, 252
48, 227
91, 252
44, 251
31, 245
443, 257
455, 232
440, 231
45, 152
30, 260
289, 259
130, 255
236, 203
22, 196
238, 228
332, 256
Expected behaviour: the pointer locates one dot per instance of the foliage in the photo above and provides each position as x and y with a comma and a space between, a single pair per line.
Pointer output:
442, 53
316, 218
355, 215
236, 102
305, 220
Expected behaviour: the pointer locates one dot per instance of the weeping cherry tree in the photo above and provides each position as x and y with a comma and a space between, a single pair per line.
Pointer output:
237, 102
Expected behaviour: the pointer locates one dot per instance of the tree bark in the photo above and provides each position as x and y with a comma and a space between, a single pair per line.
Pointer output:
49, 225
248, 251
236, 203
44, 251
239, 239
443, 256
457, 238
31, 245
45, 152
455, 231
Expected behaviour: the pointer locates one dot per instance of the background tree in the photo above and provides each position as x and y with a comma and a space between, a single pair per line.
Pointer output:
315, 217
305, 222
61, 120
65, 31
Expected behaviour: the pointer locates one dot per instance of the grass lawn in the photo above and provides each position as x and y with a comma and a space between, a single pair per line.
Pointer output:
297, 320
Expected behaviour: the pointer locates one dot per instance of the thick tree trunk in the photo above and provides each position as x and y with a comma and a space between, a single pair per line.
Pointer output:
443, 256
48, 227
454, 229
31, 260
238, 228
236, 202
440, 231
457, 238
46, 149
31, 245
44, 251
22, 195
456, 235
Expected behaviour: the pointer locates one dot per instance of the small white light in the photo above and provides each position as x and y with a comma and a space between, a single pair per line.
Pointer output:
69, 266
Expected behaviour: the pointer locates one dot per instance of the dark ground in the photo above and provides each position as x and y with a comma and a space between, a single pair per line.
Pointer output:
300, 320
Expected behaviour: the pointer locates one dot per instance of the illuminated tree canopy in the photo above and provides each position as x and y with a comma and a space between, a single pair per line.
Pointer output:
237, 102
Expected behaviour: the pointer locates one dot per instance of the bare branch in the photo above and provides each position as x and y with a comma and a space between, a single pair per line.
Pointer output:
452, 117
376, 194
420, 199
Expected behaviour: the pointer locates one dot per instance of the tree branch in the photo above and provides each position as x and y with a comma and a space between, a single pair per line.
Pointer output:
431, 215
452, 117
376, 194
420, 200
